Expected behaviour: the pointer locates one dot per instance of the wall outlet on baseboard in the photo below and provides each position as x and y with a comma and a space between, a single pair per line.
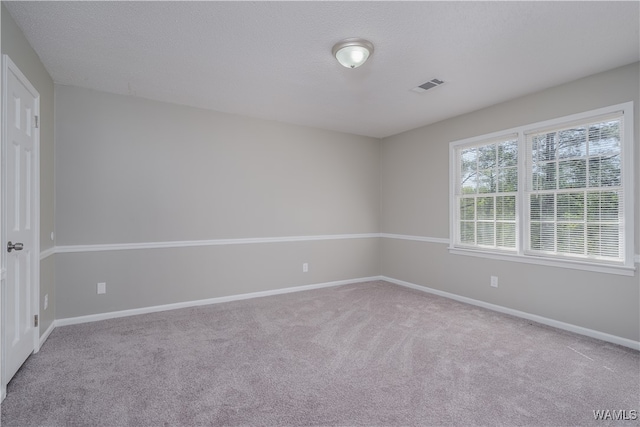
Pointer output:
102, 288
305, 267
46, 301
494, 281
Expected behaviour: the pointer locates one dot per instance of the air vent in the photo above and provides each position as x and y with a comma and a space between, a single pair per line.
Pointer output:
428, 85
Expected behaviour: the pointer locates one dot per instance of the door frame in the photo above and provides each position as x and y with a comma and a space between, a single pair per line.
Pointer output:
8, 66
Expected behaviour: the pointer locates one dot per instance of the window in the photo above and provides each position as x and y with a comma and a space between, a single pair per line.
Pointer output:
488, 194
557, 192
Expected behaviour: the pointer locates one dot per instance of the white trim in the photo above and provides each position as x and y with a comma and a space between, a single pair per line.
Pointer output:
221, 242
47, 253
620, 270
3, 385
573, 119
533, 317
626, 271
46, 334
444, 241
186, 304
213, 242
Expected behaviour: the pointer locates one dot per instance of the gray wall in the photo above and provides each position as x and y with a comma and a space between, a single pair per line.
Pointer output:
136, 171
131, 170
415, 201
17, 47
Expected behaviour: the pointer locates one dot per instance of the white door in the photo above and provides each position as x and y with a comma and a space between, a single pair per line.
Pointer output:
19, 243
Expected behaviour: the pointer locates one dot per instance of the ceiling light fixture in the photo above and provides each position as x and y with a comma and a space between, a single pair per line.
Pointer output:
352, 53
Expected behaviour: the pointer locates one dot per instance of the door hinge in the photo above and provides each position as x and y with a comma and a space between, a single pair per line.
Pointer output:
35, 321
36, 121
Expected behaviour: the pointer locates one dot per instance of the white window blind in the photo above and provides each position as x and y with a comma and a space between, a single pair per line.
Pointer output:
575, 194
487, 194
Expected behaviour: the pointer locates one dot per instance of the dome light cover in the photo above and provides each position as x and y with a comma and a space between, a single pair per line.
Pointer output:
352, 53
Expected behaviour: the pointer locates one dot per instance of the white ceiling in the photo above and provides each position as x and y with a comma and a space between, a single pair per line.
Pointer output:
273, 60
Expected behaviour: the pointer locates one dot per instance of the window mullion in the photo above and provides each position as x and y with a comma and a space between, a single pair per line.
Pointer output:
495, 197
585, 251
525, 182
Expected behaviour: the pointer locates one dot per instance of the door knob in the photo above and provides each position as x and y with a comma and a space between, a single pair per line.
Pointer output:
14, 246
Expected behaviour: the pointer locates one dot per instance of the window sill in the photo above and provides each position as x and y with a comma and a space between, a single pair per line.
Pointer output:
528, 259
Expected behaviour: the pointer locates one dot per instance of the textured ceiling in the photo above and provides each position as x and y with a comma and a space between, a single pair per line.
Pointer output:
273, 60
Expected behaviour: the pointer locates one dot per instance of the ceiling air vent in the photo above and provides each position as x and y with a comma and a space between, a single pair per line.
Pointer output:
428, 85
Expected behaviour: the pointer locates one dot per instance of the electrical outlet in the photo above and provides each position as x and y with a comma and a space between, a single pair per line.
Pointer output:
46, 301
494, 281
305, 267
102, 288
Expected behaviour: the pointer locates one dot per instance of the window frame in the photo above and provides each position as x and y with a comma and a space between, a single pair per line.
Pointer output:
521, 253
495, 194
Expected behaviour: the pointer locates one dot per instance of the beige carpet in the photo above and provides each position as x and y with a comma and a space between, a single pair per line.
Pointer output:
363, 354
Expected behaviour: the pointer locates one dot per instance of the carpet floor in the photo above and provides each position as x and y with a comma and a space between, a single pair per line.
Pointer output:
362, 354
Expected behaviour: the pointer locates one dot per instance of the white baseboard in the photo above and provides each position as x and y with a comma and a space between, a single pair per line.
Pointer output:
533, 317
46, 334
186, 304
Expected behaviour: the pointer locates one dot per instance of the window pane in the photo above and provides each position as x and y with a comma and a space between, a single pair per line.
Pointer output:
571, 238
467, 232
603, 206
506, 234
603, 240
543, 207
486, 233
487, 181
544, 176
610, 208
572, 143
544, 147
508, 180
506, 208
572, 174
484, 207
594, 209
467, 209
487, 157
508, 154
542, 237
534, 207
570, 206
468, 178
604, 138
605, 171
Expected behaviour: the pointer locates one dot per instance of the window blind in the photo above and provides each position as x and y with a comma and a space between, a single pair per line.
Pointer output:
487, 194
574, 190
